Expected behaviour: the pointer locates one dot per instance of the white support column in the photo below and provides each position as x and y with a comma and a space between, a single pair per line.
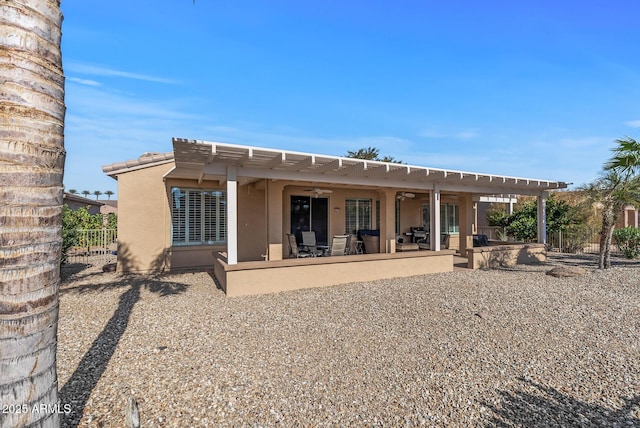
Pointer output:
542, 218
232, 216
434, 211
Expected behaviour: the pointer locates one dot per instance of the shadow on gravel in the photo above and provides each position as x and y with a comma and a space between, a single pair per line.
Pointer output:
69, 270
84, 379
591, 260
536, 405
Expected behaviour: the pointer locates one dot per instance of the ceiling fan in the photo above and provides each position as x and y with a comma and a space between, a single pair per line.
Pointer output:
318, 191
404, 195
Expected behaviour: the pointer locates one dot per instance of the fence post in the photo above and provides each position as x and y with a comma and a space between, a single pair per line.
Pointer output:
560, 240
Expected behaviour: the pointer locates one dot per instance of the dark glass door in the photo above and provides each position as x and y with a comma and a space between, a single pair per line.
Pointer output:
309, 213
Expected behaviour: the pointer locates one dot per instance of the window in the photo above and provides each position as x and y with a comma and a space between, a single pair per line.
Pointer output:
426, 217
357, 215
198, 217
449, 218
449, 222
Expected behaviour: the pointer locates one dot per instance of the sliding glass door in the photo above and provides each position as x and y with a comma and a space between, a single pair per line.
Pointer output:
309, 213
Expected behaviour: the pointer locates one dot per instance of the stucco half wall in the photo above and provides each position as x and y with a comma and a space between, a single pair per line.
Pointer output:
250, 278
509, 255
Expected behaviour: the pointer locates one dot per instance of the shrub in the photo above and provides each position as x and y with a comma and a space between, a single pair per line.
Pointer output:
628, 241
75, 220
70, 236
575, 238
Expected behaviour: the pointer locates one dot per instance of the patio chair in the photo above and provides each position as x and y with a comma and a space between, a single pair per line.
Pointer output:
354, 246
294, 251
444, 241
309, 243
371, 244
339, 245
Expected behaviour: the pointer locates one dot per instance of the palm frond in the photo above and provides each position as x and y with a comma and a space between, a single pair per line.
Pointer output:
626, 156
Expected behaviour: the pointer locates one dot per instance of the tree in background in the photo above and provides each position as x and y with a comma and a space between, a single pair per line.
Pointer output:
73, 191
74, 221
626, 157
85, 193
97, 193
109, 193
613, 191
370, 153
617, 187
31, 169
522, 224
70, 235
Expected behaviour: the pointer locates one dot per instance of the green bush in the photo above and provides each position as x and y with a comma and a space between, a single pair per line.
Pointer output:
522, 224
75, 220
70, 235
628, 241
575, 238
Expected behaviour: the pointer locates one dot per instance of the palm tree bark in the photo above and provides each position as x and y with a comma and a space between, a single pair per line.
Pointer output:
31, 170
606, 234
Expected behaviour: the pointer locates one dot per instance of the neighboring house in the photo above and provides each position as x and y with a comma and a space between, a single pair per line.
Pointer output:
230, 208
109, 207
629, 217
74, 202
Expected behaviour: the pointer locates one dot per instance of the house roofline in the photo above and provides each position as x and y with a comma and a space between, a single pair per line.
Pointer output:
147, 160
205, 159
82, 200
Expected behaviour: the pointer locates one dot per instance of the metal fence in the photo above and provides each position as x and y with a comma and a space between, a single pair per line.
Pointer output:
496, 233
94, 245
577, 239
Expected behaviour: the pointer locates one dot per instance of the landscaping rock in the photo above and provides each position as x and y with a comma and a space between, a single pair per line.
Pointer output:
566, 271
109, 267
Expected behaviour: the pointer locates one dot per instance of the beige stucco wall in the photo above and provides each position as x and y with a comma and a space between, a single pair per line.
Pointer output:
144, 223
293, 274
142, 219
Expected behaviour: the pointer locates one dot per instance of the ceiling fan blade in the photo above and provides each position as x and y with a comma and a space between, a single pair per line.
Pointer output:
319, 190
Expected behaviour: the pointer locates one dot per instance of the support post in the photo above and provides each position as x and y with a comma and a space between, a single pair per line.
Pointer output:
232, 215
466, 225
275, 220
542, 218
434, 212
387, 221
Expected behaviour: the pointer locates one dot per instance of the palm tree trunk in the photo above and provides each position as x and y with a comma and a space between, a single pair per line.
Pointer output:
31, 169
606, 234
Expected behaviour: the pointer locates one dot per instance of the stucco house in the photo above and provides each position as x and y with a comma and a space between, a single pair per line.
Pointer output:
75, 202
230, 208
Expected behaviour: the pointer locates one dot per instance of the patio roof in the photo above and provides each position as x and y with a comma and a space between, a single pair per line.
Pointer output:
205, 160
202, 160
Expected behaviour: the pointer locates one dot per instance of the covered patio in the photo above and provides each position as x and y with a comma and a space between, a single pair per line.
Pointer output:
398, 198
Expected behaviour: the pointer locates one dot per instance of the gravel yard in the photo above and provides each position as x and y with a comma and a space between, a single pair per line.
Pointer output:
465, 348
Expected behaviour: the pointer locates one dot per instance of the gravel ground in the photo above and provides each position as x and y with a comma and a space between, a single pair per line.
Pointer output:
507, 348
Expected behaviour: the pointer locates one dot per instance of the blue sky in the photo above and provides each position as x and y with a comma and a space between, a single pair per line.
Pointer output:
536, 89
